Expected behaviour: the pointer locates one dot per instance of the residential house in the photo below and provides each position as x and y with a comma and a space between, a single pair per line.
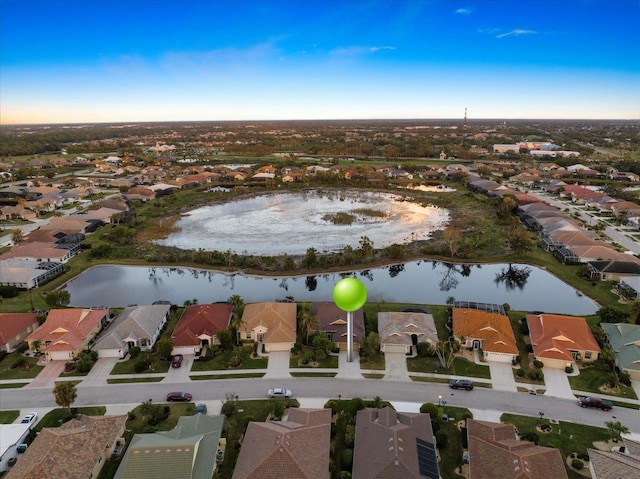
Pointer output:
394, 444
624, 463
489, 331
400, 332
333, 321
138, 326
295, 448
186, 451
495, 452
23, 273
559, 340
14, 328
198, 326
630, 285
624, 340
271, 324
77, 449
67, 332
613, 270
37, 252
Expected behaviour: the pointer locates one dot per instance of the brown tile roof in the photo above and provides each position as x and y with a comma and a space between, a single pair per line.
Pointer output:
279, 319
200, 319
386, 444
36, 250
67, 328
333, 319
398, 327
493, 329
297, 448
13, 324
495, 452
70, 451
554, 336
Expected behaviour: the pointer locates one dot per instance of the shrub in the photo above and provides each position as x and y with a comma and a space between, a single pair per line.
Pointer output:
423, 349
228, 409
18, 363
537, 364
347, 457
140, 366
520, 373
530, 436
536, 375
577, 464
84, 365
22, 347
442, 440
431, 409
134, 351
9, 291
3, 354
349, 435
625, 378
529, 348
345, 475
356, 405
568, 369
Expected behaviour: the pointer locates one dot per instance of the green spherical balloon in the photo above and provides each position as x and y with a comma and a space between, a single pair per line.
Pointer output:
349, 294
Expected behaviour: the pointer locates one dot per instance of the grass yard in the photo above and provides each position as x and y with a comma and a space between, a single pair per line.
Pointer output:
460, 367
590, 379
128, 367
202, 377
373, 362
133, 380
227, 360
12, 385
28, 367
7, 417
328, 361
372, 376
313, 375
56, 416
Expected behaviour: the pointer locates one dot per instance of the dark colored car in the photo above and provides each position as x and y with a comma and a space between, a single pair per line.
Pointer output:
179, 396
201, 409
12, 461
461, 384
595, 402
176, 362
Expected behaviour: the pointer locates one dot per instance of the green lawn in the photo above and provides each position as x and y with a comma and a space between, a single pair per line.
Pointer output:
460, 367
7, 417
227, 359
313, 375
29, 368
590, 379
128, 367
328, 361
12, 385
373, 362
55, 417
202, 377
133, 380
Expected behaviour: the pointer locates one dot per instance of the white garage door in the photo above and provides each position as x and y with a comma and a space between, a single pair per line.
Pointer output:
395, 348
108, 353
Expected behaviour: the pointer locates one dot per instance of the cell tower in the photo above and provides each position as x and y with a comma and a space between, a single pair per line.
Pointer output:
465, 116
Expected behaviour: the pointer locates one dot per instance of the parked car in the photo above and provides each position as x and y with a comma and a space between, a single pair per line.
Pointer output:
279, 393
30, 418
598, 403
201, 409
176, 362
179, 396
461, 384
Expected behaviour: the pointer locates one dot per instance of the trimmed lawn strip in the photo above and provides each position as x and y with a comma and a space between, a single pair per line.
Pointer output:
591, 378
133, 380
372, 376
373, 362
224, 361
56, 416
12, 385
201, 377
328, 361
314, 375
7, 417
128, 367
18, 373
460, 367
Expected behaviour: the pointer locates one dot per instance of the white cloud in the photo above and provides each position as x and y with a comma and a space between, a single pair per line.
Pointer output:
376, 49
463, 11
358, 50
517, 33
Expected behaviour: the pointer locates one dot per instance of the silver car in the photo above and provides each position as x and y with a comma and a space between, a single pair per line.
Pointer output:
279, 393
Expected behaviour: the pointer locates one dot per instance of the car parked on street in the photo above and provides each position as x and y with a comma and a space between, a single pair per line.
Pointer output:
179, 396
595, 402
279, 393
176, 361
461, 384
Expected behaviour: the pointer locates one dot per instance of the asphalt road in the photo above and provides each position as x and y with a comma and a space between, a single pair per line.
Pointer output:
414, 392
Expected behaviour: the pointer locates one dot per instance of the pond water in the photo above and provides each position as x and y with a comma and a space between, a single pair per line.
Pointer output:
273, 224
524, 287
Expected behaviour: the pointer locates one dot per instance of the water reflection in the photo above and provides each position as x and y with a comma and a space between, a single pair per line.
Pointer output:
429, 282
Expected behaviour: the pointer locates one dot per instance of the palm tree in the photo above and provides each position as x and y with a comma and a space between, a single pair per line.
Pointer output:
306, 321
17, 236
616, 429
65, 393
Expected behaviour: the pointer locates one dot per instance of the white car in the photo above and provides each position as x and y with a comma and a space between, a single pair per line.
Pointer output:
279, 393
30, 418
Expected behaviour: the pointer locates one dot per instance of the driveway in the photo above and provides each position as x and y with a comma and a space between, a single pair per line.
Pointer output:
47, 377
396, 367
278, 365
99, 372
502, 376
181, 374
348, 370
557, 383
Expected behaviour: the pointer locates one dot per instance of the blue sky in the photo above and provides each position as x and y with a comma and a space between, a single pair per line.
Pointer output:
133, 60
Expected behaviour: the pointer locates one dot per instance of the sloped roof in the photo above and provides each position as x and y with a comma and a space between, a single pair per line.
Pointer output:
613, 465
333, 319
600, 252
297, 448
185, 452
13, 324
35, 250
554, 336
495, 452
201, 319
279, 320
67, 328
492, 328
133, 321
624, 339
80, 441
614, 266
386, 445
398, 327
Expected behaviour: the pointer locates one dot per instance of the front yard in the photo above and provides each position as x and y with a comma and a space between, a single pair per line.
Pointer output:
238, 358
593, 379
460, 367
16, 366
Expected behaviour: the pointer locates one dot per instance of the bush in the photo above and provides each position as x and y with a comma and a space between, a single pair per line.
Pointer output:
577, 464
140, 366
356, 405
431, 409
349, 435
18, 363
530, 436
344, 475
538, 364
228, 409
134, 351
536, 375
347, 457
442, 440
625, 378
520, 373
423, 349
3, 354
529, 348
22, 347
9, 291
568, 369
84, 365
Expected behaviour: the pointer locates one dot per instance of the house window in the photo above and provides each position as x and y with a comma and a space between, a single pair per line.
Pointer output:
248, 335
587, 354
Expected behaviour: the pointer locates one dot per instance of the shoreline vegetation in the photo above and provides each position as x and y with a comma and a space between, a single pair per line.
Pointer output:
482, 230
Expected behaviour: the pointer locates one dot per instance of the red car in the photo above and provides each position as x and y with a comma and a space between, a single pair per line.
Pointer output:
178, 396
176, 362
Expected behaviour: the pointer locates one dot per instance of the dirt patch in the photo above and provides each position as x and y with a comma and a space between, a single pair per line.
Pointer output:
583, 472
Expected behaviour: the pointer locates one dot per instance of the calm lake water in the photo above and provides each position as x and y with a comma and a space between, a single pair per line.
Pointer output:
524, 287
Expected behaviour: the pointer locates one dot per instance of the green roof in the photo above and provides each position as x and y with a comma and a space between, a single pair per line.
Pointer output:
624, 339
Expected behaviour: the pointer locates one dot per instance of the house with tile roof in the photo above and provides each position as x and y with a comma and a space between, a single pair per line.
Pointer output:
624, 340
394, 444
26, 274
616, 465
489, 331
400, 332
198, 327
271, 324
558, 340
37, 252
495, 452
186, 451
67, 332
138, 326
85, 443
333, 321
14, 328
294, 448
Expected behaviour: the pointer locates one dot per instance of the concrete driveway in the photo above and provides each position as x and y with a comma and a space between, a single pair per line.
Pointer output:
278, 365
396, 367
502, 376
557, 383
